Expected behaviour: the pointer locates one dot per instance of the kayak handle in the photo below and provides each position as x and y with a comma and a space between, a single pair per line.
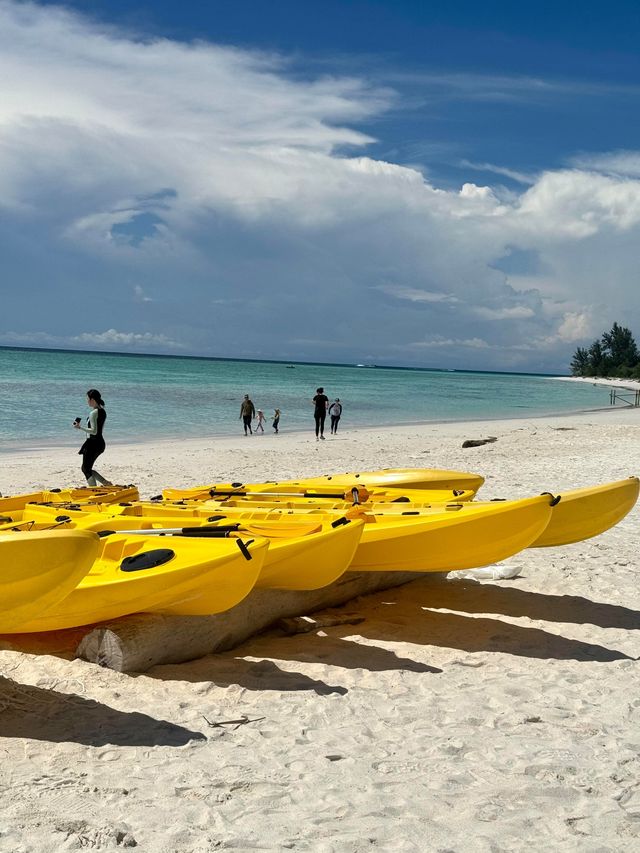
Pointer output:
243, 547
555, 499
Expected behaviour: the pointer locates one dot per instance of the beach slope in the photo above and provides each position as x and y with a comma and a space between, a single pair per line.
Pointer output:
456, 715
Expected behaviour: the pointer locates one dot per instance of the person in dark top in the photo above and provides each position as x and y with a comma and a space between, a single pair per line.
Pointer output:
320, 402
335, 411
247, 413
276, 421
94, 444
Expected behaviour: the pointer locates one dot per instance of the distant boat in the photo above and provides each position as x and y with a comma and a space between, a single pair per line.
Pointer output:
291, 367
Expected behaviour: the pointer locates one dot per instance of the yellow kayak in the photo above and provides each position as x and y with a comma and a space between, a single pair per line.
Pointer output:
325, 496
461, 536
584, 513
449, 482
580, 514
384, 498
300, 556
419, 498
444, 540
86, 494
401, 478
40, 569
447, 541
142, 574
357, 494
304, 553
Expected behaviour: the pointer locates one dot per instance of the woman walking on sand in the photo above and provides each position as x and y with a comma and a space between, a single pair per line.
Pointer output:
276, 421
320, 402
94, 444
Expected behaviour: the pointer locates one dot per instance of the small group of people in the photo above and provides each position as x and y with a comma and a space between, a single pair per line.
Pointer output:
321, 407
248, 413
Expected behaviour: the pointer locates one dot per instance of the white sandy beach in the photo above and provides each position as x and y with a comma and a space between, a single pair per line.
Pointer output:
459, 715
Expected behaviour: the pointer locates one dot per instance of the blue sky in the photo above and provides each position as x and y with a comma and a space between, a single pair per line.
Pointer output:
437, 184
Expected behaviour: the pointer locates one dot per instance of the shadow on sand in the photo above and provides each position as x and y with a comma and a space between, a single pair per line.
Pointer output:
228, 668
473, 597
413, 614
224, 669
32, 712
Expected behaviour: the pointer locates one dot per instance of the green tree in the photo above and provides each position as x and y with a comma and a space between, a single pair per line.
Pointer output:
580, 364
619, 347
614, 354
597, 361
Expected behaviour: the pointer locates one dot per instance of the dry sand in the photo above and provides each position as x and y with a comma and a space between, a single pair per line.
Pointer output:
492, 716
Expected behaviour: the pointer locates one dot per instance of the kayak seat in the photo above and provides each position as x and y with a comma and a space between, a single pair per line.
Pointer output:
147, 560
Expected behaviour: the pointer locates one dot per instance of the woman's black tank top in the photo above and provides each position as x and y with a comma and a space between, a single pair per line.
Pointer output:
102, 416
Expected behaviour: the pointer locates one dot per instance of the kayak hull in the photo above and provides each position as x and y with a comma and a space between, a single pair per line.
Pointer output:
202, 577
585, 513
443, 542
39, 570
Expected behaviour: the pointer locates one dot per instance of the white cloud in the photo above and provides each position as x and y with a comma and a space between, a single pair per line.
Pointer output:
509, 88
413, 294
573, 328
513, 174
110, 339
240, 195
517, 312
139, 295
113, 339
439, 343
574, 205
618, 163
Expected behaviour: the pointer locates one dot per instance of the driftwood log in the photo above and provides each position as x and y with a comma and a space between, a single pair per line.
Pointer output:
478, 442
136, 643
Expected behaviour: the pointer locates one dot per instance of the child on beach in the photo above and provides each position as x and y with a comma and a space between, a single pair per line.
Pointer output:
260, 423
276, 420
335, 411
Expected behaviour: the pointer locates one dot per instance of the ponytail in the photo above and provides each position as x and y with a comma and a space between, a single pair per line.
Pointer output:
93, 394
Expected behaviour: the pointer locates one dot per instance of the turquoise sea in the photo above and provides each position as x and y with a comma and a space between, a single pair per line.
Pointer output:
149, 397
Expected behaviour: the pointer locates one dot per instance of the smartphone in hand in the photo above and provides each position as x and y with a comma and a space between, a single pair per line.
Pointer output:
77, 420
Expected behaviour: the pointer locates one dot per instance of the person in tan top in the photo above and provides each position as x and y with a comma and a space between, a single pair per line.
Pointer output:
247, 413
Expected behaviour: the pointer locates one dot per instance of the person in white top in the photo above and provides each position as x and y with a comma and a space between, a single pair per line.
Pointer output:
335, 412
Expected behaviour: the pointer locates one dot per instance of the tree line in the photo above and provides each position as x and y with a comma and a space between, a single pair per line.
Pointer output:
613, 354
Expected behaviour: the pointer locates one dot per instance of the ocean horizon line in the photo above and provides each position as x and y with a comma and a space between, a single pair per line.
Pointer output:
292, 361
